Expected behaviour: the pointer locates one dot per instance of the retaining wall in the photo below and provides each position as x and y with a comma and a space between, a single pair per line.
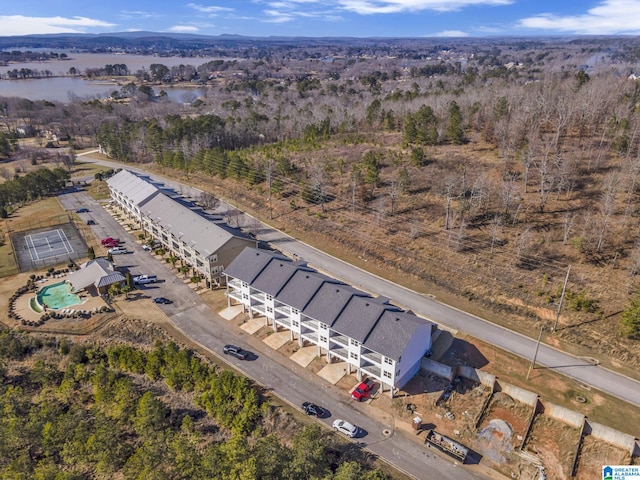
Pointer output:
524, 396
478, 376
439, 369
609, 435
563, 414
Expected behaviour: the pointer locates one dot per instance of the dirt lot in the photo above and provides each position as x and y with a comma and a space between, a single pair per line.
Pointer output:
594, 454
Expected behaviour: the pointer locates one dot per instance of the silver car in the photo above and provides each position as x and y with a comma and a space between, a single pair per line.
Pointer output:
345, 427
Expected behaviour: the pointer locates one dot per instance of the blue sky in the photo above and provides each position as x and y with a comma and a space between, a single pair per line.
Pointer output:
314, 18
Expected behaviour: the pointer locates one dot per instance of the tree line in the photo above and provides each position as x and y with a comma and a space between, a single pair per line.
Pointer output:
82, 411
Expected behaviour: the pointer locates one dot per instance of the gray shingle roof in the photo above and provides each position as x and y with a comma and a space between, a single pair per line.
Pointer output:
360, 316
393, 331
249, 263
99, 272
329, 302
302, 287
275, 275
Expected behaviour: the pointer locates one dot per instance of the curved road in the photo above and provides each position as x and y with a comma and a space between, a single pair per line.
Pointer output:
585, 372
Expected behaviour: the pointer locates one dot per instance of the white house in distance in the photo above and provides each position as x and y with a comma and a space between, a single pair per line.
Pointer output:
207, 246
372, 336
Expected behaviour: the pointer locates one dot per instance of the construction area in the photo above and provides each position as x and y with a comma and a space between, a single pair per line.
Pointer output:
510, 428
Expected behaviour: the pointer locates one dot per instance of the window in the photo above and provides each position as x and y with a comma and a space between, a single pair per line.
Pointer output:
353, 355
296, 323
387, 374
296, 311
398, 373
323, 339
269, 309
355, 343
245, 296
324, 326
244, 284
214, 258
388, 361
270, 297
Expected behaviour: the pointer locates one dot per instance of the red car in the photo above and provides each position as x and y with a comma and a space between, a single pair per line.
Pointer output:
363, 390
110, 242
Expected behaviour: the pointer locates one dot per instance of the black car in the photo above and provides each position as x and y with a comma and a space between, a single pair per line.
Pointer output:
91, 222
82, 210
235, 351
313, 409
162, 300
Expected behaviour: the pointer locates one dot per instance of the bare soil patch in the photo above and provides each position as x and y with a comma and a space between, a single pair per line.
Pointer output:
594, 454
555, 443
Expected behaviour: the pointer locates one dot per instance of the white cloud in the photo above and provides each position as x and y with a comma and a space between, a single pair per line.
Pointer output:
136, 14
450, 33
608, 18
211, 10
184, 29
369, 7
276, 16
21, 25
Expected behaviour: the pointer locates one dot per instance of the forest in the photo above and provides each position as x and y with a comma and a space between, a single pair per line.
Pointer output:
79, 410
486, 169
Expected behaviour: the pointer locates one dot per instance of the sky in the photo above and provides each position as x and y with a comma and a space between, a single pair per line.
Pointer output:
325, 18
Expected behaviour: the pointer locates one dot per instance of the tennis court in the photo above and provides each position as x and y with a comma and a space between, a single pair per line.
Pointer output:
44, 245
47, 246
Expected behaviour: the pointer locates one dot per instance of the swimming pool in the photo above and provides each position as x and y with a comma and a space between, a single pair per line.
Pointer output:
57, 296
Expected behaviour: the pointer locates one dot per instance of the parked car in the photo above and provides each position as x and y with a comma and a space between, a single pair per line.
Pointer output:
345, 427
362, 391
235, 351
111, 245
146, 247
82, 210
142, 279
313, 409
117, 250
163, 300
91, 222
104, 241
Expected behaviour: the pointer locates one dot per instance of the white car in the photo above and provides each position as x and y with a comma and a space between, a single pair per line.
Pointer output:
345, 427
117, 250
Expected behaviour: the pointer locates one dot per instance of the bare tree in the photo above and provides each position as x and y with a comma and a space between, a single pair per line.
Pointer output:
567, 224
496, 230
208, 201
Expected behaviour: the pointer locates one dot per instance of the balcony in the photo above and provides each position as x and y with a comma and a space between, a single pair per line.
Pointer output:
235, 283
235, 295
311, 325
373, 372
311, 336
341, 353
283, 309
259, 296
283, 321
372, 357
259, 309
340, 340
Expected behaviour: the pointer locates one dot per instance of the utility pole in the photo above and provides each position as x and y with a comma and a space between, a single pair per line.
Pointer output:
535, 355
564, 289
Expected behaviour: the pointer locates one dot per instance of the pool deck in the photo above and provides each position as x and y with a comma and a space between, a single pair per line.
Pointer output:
23, 308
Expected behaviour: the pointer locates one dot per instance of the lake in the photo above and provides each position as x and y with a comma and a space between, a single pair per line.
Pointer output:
62, 89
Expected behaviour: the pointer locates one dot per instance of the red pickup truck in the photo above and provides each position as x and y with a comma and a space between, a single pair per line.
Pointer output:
362, 391
110, 242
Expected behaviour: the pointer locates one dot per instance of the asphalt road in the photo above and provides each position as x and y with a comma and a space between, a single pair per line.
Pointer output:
278, 374
581, 370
